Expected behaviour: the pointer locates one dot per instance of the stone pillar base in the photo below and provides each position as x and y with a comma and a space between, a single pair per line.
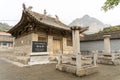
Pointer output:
72, 69
108, 60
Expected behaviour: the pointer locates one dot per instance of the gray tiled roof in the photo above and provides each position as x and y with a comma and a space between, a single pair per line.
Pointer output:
99, 36
42, 18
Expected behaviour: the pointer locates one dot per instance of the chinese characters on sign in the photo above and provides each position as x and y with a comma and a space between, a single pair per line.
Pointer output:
39, 46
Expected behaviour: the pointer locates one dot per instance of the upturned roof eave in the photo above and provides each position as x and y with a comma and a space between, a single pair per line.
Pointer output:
26, 12
18, 24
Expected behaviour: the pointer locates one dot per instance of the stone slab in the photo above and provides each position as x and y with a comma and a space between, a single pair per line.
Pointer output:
108, 61
66, 68
81, 72
87, 71
39, 59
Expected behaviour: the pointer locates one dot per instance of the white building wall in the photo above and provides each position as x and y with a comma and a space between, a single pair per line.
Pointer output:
99, 45
115, 44
92, 45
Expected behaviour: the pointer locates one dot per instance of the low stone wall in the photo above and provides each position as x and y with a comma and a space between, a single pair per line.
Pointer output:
19, 54
108, 60
66, 68
112, 59
81, 72
87, 71
23, 50
20, 59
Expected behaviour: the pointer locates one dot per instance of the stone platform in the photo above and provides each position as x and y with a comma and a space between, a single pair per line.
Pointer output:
108, 60
81, 72
21, 59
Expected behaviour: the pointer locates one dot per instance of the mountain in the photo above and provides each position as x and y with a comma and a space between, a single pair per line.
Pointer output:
94, 24
4, 27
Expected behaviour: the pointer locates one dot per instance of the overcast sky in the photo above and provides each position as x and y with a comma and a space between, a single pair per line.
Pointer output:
67, 10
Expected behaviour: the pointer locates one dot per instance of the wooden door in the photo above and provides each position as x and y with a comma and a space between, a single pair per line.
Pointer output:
56, 46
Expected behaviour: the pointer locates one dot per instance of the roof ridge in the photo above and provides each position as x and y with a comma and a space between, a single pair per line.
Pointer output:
40, 14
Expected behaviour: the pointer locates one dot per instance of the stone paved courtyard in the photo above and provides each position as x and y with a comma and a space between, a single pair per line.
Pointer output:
9, 71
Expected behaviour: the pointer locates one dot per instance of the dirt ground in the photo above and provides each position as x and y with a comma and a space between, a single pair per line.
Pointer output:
9, 71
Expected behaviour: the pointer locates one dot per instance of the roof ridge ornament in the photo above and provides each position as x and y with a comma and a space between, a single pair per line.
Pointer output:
30, 8
57, 18
45, 12
24, 6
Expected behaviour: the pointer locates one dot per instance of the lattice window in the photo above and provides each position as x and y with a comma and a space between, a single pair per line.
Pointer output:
42, 39
69, 42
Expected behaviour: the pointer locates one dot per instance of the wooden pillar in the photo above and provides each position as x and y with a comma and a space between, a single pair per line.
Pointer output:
50, 44
34, 37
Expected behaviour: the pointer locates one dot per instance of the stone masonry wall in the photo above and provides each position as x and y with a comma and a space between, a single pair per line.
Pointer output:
67, 49
23, 44
25, 40
23, 50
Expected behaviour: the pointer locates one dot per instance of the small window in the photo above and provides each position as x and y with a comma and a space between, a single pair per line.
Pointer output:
42, 39
4, 43
69, 42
